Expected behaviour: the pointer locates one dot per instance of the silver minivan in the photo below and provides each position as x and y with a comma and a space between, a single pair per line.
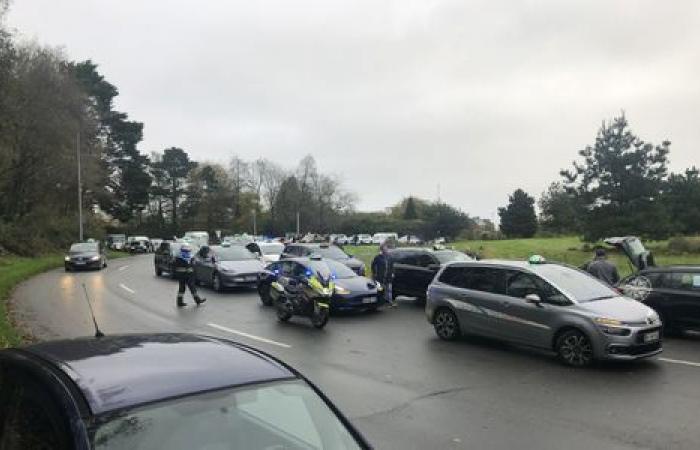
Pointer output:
540, 304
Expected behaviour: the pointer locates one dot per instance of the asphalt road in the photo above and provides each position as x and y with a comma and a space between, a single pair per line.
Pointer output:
401, 385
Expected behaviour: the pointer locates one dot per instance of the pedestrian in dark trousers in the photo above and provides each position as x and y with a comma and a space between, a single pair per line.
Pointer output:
603, 269
382, 272
184, 272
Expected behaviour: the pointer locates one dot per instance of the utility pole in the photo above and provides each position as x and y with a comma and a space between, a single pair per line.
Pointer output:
80, 188
298, 223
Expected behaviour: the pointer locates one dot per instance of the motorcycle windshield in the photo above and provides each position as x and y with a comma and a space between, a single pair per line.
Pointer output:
321, 269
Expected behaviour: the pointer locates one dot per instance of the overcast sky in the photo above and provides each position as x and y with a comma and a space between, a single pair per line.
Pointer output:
481, 97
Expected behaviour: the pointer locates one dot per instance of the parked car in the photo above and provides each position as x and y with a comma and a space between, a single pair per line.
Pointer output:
412, 240
162, 391
116, 241
544, 305
85, 255
227, 266
380, 238
363, 239
672, 291
138, 244
326, 251
340, 239
198, 238
165, 256
352, 292
267, 252
414, 268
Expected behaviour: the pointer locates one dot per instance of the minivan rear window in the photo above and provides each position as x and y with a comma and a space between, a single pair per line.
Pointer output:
482, 279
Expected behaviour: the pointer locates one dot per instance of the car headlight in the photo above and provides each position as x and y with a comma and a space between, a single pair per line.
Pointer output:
95, 258
341, 290
612, 327
67, 258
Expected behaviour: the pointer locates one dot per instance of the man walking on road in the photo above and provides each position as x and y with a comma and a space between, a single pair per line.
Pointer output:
184, 272
382, 272
603, 269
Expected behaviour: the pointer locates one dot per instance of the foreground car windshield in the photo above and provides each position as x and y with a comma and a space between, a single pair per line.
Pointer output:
582, 287
278, 415
321, 268
234, 254
340, 270
445, 256
330, 252
84, 247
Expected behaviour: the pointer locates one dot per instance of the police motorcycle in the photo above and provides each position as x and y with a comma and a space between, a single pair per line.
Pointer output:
306, 294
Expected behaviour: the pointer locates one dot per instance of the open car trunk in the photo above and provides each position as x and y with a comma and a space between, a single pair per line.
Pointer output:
639, 256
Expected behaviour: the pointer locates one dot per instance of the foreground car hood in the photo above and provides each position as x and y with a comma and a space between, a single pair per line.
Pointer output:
358, 285
352, 262
246, 266
619, 308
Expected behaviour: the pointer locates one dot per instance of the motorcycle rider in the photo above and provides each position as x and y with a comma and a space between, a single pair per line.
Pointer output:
184, 272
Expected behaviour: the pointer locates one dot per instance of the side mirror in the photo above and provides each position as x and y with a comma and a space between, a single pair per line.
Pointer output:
534, 299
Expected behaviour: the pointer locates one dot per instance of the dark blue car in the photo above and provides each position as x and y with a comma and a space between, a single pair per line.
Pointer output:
352, 291
161, 391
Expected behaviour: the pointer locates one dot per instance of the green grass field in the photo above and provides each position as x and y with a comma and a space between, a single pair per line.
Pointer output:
564, 249
14, 270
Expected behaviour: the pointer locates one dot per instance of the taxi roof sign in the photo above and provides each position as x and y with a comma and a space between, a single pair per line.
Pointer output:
537, 259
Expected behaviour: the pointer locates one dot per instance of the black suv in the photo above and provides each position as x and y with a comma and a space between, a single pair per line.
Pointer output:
673, 291
165, 256
414, 268
325, 251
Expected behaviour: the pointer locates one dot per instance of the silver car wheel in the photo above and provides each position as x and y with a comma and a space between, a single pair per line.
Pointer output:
575, 349
446, 325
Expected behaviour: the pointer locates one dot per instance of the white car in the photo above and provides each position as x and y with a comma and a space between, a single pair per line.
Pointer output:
379, 238
364, 239
413, 240
267, 252
341, 239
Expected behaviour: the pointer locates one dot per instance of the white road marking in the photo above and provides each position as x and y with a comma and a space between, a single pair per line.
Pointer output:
680, 361
123, 268
249, 336
127, 289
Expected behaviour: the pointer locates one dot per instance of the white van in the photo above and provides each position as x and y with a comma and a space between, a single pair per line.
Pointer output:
199, 238
379, 238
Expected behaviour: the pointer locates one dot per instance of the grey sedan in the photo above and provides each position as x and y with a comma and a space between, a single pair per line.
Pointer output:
545, 305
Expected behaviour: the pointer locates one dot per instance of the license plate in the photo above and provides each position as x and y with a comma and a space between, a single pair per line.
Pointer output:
651, 337
369, 300
79, 263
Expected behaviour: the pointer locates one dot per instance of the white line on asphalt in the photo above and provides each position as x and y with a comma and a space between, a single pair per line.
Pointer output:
249, 336
127, 289
680, 361
123, 268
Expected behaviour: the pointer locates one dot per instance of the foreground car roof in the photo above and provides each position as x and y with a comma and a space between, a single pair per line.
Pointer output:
116, 372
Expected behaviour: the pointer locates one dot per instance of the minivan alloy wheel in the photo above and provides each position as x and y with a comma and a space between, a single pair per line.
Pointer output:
575, 349
446, 325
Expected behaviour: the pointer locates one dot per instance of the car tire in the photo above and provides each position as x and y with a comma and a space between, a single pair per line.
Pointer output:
574, 348
159, 271
264, 292
104, 264
446, 325
282, 314
216, 283
67, 269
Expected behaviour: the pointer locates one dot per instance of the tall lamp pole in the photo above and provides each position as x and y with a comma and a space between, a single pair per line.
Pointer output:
80, 189
255, 223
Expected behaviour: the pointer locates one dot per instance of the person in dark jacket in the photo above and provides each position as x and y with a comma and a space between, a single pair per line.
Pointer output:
603, 269
184, 272
383, 272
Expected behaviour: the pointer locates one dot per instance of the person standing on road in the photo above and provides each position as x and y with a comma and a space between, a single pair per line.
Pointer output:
382, 272
184, 272
603, 269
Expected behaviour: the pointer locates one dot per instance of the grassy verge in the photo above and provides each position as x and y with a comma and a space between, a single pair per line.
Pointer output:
14, 270
565, 249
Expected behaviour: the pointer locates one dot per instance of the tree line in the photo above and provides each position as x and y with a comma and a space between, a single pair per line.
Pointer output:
621, 185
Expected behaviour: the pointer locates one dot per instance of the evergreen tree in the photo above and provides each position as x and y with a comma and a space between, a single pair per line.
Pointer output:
518, 219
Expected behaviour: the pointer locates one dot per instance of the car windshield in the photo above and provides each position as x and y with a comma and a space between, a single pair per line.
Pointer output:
579, 285
271, 248
321, 268
83, 247
330, 252
233, 253
446, 256
340, 270
277, 415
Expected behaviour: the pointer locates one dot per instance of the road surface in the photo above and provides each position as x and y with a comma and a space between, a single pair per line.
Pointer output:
401, 385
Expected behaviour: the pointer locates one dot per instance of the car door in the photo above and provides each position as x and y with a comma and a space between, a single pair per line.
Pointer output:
682, 302
473, 291
403, 264
427, 266
525, 322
